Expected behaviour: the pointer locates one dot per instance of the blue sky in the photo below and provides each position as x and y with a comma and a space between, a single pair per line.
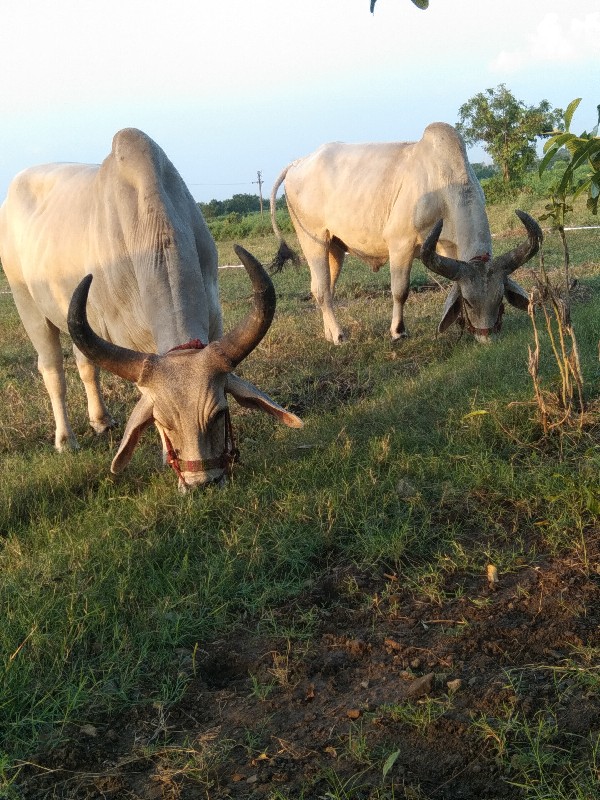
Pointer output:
230, 87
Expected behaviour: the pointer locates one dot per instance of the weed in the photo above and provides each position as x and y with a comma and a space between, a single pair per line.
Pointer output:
420, 714
260, 689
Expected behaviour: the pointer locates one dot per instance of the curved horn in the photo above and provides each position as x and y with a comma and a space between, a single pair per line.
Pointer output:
447, 267
509, 262
118, 360
242, 340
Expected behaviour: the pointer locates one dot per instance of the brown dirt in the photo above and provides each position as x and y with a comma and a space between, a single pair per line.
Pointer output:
330, 708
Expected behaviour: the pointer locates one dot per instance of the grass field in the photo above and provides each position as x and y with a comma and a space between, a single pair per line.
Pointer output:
419, 463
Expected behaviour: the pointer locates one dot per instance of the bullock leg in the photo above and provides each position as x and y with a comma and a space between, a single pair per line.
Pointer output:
321, 288
336, 260
400, 281
45, 337
54, 380
100, 419
317, 255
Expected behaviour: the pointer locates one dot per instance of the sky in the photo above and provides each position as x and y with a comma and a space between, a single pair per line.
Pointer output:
229, 88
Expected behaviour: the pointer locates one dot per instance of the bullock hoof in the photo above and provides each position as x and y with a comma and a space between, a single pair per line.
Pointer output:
100, 426
337, 337
67, 445
396, 337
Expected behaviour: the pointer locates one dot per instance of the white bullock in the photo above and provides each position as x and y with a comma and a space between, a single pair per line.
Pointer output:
132, 225
380, 202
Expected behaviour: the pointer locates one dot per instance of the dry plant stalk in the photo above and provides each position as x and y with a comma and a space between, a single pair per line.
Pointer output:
564, 408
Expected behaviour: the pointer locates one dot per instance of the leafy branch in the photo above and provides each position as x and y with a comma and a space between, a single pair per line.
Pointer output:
422, 4
584, 151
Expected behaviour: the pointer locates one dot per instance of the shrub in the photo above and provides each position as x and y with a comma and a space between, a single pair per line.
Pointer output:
236, 226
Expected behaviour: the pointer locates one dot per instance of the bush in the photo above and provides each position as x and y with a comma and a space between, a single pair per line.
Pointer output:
236, 226
497, 191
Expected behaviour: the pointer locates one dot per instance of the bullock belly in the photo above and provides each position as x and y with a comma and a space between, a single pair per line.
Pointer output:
375, 262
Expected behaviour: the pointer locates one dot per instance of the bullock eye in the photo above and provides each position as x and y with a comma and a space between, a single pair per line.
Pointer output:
214, 418
219, 414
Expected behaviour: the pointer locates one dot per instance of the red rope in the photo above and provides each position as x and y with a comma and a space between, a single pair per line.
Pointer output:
193, 344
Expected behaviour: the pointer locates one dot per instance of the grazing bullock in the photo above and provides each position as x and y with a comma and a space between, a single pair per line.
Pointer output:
380, 202
154, 312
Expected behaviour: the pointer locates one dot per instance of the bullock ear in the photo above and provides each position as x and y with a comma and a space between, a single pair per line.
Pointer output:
515, 294
249, 396
452, 308
141, 417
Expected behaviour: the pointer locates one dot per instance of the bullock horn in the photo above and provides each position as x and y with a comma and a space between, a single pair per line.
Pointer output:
509, 262
447, 267
118, 360
242, 340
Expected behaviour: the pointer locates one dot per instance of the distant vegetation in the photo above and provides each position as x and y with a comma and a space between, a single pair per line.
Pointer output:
240, 217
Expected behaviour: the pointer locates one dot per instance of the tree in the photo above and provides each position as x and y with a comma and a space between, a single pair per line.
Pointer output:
483, 171
243, 204
508, 129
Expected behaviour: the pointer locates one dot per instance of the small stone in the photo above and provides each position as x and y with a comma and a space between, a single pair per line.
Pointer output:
421, 686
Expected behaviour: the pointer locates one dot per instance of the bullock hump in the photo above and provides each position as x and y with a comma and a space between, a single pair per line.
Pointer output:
440, 134
139, 160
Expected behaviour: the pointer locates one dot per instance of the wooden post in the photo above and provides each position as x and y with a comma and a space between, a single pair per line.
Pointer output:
260, 183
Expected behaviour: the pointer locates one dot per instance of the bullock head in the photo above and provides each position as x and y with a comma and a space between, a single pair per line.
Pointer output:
476, 296
184, 391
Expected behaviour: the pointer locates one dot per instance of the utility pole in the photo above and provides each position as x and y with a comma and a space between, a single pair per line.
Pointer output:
260, 183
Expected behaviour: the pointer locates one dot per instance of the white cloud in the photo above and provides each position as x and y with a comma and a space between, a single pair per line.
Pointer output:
554, 40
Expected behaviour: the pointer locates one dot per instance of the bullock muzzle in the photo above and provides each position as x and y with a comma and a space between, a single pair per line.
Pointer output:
482, 335
187, 471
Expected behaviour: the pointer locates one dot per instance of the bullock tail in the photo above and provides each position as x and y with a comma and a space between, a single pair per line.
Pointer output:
285, 252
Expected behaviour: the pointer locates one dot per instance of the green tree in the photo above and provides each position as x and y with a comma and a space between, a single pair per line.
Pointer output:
243, 204
213, 209
483, 171
507, 128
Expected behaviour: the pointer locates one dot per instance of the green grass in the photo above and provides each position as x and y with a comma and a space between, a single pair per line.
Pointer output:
411, 456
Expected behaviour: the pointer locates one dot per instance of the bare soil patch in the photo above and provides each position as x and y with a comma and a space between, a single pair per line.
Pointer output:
263, 718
